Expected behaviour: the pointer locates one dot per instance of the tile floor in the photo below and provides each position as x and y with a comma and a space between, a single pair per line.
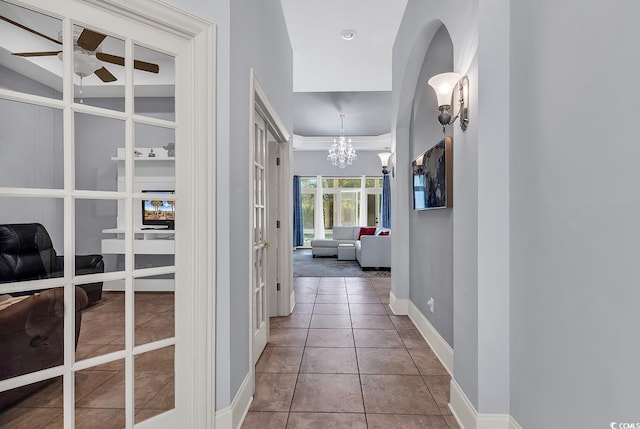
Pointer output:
100, 390
343, 360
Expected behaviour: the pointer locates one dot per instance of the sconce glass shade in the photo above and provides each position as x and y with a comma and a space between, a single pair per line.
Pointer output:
384, 158
443, 84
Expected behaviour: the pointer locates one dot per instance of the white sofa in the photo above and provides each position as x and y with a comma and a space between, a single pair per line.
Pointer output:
329, 247
372, 251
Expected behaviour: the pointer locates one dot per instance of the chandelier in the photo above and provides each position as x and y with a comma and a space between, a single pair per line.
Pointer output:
342, 152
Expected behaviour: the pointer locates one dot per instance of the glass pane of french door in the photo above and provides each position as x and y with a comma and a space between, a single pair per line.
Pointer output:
349, 208
87, 292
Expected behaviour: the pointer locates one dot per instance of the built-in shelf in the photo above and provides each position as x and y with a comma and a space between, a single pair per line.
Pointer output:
146, 158
156, 172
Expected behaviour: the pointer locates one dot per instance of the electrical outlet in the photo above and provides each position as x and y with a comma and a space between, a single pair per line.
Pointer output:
431, 303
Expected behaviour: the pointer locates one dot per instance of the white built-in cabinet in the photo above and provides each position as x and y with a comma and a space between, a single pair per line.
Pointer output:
156, 172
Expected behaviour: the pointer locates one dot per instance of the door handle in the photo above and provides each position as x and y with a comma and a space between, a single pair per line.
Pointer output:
267, 244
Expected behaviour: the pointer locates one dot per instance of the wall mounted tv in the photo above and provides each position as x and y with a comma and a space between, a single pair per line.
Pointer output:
157, 211
432, 173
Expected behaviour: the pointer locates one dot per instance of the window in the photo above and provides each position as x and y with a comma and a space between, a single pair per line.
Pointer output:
342, 202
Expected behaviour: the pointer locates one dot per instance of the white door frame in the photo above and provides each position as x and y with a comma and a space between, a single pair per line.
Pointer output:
195, 350
259, 101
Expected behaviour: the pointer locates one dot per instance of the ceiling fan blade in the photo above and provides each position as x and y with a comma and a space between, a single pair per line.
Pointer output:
90, 40
105, 75
37, 54
108, 58
137, 64
145, 66
17, 24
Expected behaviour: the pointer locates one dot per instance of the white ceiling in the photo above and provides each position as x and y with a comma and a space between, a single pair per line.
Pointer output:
323, 61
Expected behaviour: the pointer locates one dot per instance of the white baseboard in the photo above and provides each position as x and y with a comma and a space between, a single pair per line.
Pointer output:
231, 417
468, 418
440, 347
398, 306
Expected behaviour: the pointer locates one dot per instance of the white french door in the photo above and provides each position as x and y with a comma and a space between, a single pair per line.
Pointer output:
259, 275
99, 123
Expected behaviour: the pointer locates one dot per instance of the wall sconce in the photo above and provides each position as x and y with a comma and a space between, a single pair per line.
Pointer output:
386, 161
444, 85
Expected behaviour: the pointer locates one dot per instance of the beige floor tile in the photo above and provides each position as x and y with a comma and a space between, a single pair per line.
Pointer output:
451, 421
402, 322
377, 338
287, 337
388, 421
332, 289
397, 394
293, 321
367, 321
438, 385
331, 299
280, 360
427, 362
412, 339
273, 392
30, 418
303, 309
363, 299
100, 418
265, 420
305, 298
330, 338
329, 361
373, 309
385, 361
327, 420
328, 393
323, 321
331, 309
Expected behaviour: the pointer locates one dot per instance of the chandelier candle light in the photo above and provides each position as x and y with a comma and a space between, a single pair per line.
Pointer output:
342, 152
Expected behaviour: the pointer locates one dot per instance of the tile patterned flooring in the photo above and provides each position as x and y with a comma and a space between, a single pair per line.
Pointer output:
100, 390
343, 360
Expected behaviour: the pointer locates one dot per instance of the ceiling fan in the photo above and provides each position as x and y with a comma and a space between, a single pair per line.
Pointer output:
87, 53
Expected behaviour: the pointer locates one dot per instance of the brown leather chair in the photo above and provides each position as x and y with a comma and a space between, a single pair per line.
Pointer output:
32, 337
27, 253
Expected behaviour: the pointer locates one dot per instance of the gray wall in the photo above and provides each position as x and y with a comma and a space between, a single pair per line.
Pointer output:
250, 34
431, 246
420, 23
314, 163
575, 210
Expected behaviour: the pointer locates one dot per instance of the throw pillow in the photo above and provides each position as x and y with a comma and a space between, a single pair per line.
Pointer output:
366, 231
384, 233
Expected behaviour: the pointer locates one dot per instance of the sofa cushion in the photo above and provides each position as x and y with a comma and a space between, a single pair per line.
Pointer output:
367, 231
322, 242
343, 233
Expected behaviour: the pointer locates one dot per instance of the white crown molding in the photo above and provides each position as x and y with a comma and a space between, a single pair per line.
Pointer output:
374, 143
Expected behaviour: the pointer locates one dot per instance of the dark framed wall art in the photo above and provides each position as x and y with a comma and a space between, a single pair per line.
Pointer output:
432, 173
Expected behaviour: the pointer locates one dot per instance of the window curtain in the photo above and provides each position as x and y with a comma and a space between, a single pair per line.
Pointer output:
298, 235
386, 202
318, 218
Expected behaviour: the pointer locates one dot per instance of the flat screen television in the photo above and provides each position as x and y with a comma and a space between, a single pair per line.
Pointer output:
159, 212
432, 173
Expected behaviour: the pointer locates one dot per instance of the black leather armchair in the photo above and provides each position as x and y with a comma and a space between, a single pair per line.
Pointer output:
27, 253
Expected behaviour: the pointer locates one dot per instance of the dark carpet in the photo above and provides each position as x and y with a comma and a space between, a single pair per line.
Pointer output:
305, 265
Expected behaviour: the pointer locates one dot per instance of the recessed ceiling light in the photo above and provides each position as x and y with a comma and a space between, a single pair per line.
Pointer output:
348, 34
